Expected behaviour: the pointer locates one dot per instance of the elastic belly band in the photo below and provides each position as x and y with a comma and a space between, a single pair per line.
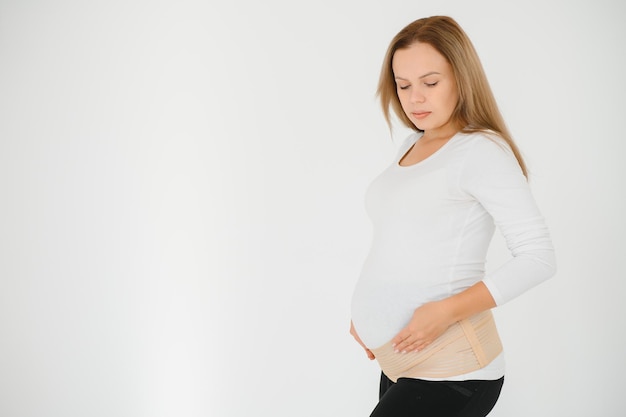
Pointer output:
466, 346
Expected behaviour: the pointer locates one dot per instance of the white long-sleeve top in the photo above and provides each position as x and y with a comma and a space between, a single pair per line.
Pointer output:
432, 225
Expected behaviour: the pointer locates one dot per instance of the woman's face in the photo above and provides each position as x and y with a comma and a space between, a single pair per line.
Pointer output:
426, 87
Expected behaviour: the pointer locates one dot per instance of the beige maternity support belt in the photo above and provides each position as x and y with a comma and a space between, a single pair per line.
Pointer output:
467, 345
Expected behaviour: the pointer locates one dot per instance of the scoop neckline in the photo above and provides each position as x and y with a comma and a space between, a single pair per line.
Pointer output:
423, 161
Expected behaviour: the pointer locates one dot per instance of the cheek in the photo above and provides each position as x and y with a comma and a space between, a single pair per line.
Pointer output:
453, 99
447, 103
404, 102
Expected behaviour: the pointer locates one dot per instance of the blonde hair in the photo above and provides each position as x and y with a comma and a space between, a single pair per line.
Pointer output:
476, 110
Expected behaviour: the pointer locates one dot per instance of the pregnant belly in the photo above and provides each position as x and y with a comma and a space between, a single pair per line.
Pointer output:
380, 310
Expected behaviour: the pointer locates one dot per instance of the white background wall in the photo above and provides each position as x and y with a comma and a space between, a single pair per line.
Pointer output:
181, 217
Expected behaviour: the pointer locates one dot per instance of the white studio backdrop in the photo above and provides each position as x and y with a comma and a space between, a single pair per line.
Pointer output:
181, 213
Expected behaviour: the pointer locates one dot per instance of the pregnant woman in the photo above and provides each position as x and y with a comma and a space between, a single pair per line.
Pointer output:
422, 304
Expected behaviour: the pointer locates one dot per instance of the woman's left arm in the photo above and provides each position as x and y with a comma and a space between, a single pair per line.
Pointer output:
492, 176
430, 320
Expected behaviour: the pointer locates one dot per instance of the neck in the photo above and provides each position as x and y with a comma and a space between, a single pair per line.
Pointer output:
444, 132
430, 136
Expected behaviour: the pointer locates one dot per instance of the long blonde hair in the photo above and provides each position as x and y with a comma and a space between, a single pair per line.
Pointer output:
476, 109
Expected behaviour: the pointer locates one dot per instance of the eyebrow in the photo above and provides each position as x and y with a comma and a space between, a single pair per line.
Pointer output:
422, 76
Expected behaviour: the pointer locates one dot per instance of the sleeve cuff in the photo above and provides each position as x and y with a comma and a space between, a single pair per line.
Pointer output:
491, 286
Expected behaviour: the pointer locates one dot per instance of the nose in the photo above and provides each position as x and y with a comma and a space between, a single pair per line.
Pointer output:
417, 96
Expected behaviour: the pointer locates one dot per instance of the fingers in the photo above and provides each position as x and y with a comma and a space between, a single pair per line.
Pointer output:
409, 343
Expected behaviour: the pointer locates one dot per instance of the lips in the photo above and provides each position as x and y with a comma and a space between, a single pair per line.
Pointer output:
420, 114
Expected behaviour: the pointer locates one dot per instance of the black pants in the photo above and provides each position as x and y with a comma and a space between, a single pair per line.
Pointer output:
419, 398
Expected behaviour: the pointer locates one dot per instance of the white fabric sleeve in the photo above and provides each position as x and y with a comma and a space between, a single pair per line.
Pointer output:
492, 175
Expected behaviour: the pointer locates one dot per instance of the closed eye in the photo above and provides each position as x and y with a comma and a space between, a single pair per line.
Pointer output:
431, 84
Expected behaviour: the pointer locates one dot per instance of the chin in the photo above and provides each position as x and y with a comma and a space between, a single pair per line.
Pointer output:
420, 126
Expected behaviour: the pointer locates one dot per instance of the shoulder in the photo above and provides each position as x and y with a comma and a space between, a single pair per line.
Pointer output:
488, 159
487, 144
487, 152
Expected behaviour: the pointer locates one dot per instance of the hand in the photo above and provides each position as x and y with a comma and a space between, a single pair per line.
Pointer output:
429, 322
354, 334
